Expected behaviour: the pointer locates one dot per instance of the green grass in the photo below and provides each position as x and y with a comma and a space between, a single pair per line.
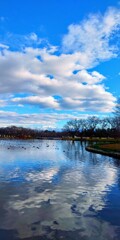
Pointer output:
108, 146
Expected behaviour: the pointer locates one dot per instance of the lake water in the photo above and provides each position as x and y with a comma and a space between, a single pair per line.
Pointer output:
57, 190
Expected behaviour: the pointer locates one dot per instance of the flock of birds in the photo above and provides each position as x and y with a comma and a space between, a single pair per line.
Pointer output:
12, 147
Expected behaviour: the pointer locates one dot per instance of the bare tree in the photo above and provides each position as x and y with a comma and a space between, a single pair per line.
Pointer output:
92, 123
72, 127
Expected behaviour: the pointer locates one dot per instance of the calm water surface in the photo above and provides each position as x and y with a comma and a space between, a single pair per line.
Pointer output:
57, 190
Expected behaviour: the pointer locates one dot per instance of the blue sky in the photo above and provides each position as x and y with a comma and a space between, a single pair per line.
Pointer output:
58, 61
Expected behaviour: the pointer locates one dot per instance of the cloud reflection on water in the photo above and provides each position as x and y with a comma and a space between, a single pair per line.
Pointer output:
69, 192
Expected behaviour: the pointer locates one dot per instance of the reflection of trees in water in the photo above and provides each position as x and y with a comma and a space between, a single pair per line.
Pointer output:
95, 159
117, 164
118, 177
74, 150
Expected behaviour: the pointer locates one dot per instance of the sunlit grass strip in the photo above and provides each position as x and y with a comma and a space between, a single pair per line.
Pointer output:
109, 149
112, 146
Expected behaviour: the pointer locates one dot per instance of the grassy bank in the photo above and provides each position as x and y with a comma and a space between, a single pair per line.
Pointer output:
114, 147
111, 149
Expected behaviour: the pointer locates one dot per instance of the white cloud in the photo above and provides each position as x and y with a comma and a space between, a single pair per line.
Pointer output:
30, 71
63, 81
33, 36
89, 78
45, 102
40, 120
89, 200
92, 36
18, 41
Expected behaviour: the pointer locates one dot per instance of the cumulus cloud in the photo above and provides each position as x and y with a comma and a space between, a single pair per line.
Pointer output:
48, 102
30, 71
63, 81
89, 78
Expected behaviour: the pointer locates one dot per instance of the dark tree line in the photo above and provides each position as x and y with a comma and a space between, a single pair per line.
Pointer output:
27, 133
94, 126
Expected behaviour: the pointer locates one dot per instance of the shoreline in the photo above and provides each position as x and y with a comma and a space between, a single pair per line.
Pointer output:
103, 152
88, 148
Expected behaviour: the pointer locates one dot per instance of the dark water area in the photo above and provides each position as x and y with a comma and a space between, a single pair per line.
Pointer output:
57, 190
